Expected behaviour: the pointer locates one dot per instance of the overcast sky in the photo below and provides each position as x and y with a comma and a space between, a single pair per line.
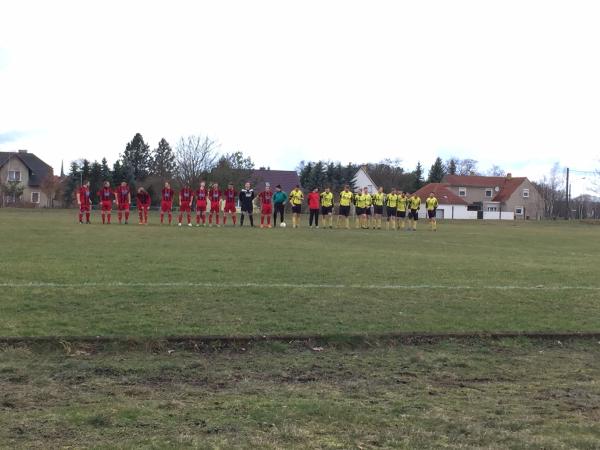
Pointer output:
513, 83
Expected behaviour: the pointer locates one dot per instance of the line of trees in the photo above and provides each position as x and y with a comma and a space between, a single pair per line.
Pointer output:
194, 158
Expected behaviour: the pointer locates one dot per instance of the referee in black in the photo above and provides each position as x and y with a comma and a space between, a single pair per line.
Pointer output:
246, 202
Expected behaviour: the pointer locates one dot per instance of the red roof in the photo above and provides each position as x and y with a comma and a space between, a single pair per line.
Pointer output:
288, 179
506, 185
444, 195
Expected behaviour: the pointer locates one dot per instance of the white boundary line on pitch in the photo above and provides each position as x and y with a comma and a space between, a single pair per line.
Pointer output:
296, 286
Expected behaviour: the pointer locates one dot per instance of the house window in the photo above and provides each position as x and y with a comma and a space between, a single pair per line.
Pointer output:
489, 192
492, 208
525, 193
519, 210
462, 191
35, 197
14, 175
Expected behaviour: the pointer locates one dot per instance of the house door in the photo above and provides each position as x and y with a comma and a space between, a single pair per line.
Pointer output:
480, 215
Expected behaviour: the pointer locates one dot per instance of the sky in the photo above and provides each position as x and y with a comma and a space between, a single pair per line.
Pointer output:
511, 83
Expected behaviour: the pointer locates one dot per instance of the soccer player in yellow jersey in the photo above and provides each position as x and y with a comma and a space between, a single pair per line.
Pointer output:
360, 203
327, 207
391, 202
345, 201
414, 203
432, 203
401, 210
368, 203
296, 198
378, 199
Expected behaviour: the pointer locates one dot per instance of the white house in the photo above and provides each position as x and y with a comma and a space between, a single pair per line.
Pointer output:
362, 179
450, 205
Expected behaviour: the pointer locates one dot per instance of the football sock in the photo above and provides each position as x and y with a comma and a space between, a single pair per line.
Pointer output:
217, 218
108, 219
80, 217
120, 215
234, 218
162, 217
251, 220
103, 219
87, 216
126, 216
268, 220
242, 220
170, 218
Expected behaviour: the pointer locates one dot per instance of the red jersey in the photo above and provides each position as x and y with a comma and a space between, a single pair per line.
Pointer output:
143, 199
167, 194
230, 197
201, 195
313, 200
84, 196
266, 197
123, 194
214, 195
106, 195
185, 195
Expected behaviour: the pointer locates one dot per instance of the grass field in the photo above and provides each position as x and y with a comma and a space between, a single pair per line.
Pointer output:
65, 280
483, 276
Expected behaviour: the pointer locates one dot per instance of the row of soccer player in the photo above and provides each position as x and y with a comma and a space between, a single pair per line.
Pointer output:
369, 208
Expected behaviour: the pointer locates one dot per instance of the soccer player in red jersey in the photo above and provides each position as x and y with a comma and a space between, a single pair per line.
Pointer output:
166, 203
143, 205
123, 201
201, 198
266, 205
215, 203
186, 197
230, 199
107, 197
85, 202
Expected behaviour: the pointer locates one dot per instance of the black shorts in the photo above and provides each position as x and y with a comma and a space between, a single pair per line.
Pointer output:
296, 209
368, 210
344, 210
391, 212
401, 214
378, 209
414, 214
325, 210
246, 209
360, 211
431, 213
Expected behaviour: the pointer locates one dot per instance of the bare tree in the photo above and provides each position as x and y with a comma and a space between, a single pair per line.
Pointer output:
467, 167
51, 186
496, 171
195, 157
550, 189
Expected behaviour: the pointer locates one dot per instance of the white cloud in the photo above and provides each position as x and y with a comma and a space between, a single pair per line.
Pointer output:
513, 83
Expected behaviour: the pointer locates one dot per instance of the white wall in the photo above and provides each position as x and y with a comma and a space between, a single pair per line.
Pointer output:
458, 212
498, 215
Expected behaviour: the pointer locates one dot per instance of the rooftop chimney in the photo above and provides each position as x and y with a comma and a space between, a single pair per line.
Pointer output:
508, 176
22, 151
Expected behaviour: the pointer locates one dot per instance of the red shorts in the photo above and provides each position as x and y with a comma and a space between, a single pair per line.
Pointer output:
201, 206
166, 206
215, 207
123, 207
106, 205
185, 207
266, 209
229, 208
85, 208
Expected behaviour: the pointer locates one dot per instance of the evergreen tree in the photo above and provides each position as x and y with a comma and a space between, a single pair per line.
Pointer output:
105, 170
95, 180
316, 177
137, 158
451, 166
163, 161
305, 172
72, 182
437, 172
118, 173
85, 169
418, 177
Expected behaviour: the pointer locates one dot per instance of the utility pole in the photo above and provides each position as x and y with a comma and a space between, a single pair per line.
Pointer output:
567, 192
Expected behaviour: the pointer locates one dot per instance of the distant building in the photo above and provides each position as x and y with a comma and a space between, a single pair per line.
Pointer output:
288, 179
497, 197
362, 179
451, 206
27, 169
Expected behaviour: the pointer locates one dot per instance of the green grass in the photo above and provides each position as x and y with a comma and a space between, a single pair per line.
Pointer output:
496, 394
49, 246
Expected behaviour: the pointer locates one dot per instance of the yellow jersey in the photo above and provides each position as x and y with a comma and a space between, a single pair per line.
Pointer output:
415, 202
361, 201
327, 199
431, 203
402, 202
296, 197
378, 199
391, 200
345, 198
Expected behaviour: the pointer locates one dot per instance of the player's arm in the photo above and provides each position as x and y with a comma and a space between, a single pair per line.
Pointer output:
129, 197
78, 198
